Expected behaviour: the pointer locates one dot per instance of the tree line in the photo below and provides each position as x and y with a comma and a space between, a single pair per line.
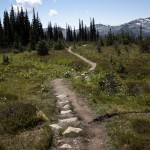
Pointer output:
16, 31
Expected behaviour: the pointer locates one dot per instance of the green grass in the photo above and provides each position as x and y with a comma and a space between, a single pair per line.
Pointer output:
119, 84
24, 91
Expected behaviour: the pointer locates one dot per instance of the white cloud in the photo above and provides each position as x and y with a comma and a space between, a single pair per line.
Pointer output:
26, 4
29, 2
53, 12
17, 6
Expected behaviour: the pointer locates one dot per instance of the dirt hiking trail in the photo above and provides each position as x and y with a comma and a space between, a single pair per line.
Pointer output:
74, 115
92, 64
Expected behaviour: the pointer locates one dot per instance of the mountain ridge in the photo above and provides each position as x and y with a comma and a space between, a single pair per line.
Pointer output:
132, 27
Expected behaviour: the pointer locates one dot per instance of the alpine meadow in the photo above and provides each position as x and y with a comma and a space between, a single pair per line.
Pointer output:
83, 86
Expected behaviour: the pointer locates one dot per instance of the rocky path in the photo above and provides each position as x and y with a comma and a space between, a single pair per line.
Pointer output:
72, 130
73, 121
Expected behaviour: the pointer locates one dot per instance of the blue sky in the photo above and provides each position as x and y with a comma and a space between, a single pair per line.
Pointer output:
110, 12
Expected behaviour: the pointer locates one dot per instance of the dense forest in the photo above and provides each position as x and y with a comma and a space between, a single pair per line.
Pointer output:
17, 32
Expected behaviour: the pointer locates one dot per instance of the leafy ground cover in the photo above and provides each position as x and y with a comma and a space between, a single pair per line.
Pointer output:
27, 106
120, 83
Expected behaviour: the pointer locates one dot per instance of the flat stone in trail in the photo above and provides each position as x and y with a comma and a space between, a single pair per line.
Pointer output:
55, 126
70, 120
72, 129
62, 104
65, 146
62, 96
65, 112
66, 107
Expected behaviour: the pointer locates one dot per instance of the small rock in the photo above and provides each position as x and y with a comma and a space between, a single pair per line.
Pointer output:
55, 126
85, 73
66, 106
65, 146
72, 129
62, 104
87, 78
65, 102
84, 45
65, 112
77, 77
41, 115
69, 115
61, 96
70, 120
87, 140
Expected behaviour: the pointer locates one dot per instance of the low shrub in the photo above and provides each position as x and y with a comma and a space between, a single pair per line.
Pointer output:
59, 45
133, 88
109, 83
99, 48
6, 60
120, 68
131, 142
141, 126
17, 116
77, 65
42, 48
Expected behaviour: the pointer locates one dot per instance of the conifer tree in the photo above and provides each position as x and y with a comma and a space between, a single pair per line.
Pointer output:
32, 38
12, 23
109, 38
33, 30
1, 35
85, 34
16, 41
26, 29
91, 30
69, 34
55, 33
60, 34
94, 30
7, 30
79, 34
50, 35
74, 35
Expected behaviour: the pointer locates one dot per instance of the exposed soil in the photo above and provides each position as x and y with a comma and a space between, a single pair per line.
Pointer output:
95, 132
95, 135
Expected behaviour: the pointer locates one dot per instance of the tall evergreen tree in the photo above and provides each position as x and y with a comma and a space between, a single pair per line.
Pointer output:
85, 34
74, 35
109, 38
55, 33
12, 23
1, 34
32, 38
69, 34
26, 28
80, 31
50, 35
60, 34
91, 30
7, 30
94, 30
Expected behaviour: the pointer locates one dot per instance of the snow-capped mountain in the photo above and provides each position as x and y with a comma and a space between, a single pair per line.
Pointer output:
132, 27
